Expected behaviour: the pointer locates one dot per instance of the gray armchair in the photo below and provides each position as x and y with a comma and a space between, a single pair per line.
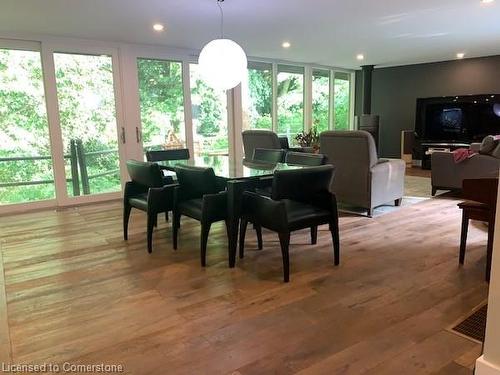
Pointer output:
361, 178
253, 139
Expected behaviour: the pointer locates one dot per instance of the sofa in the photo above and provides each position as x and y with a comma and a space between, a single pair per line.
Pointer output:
361, 178
446, 174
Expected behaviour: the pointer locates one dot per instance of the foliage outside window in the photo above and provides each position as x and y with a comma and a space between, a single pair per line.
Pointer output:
23, 129
162, 103
342, 101
321, 99
209, 109
257, 97
290, 100
85, 93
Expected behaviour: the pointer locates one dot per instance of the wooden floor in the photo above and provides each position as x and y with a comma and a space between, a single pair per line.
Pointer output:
72, 290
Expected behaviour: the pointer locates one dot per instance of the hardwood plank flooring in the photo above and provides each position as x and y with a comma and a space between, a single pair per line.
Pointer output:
74, 291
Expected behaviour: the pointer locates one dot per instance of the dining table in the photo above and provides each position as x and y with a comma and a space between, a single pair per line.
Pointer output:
238, 176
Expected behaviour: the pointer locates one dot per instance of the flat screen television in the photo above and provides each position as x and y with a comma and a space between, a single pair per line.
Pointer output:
457, 119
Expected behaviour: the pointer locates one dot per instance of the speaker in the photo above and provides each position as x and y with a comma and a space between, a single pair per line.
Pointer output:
407, 144
370, 123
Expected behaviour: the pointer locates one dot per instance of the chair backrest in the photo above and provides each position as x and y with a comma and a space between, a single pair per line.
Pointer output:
253, 139
304, 158
196, 181
165, 155
483, 190
145, 173
302, 184
353, 154
268, 155
284, 144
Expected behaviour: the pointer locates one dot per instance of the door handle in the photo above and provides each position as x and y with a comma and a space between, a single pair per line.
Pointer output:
122, 135
138, 134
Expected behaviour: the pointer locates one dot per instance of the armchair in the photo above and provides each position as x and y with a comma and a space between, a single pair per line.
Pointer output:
199, 196
300, 199
253, 139
361, 178
147, 192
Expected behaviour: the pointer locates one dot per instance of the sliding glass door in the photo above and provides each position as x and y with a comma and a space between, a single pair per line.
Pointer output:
161, 103
321, 99
257, 96
87, 116
290, 91
210, 120
26, 172
342, 101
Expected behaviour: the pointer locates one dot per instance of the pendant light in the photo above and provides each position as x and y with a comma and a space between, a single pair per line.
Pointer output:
222, 62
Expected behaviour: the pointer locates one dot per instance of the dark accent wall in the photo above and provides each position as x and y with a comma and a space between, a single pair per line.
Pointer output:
395, 91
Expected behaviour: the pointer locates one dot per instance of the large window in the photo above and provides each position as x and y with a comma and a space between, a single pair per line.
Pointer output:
209, 108
257, 96
290, 100
342, 101
162, 104
25, 156
85, 93
321, 99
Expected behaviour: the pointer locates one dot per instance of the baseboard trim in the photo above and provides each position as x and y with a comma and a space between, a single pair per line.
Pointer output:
484, 367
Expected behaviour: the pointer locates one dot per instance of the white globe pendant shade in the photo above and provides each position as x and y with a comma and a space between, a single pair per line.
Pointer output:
222, 64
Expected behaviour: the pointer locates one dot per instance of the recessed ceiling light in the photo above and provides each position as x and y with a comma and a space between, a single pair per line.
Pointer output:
460, 55
286, 45
158, 27
487, 1
360, 56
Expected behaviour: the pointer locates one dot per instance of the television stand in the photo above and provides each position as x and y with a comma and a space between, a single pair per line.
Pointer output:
428, 148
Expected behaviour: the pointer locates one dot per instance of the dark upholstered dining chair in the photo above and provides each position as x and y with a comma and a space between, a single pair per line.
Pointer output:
147, 192
199, 196
300, 199
481, 195
268, 155
168, 155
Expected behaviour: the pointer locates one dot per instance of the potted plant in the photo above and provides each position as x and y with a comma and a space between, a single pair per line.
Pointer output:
309, 139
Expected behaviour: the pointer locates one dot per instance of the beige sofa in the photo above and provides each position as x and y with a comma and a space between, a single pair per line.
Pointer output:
448, 175
361, 178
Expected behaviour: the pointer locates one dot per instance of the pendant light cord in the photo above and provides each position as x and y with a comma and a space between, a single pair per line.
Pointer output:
221, 18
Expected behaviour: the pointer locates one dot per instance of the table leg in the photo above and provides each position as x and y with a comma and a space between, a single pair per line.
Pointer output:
235, 189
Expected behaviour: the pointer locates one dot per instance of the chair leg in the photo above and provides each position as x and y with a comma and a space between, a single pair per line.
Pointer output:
285, 244
334, 229
176, 220
126, 215
155, 221
397, 202
463, 237
489, 249
258, 232
369, 212
205, 229
243, 230
166, 216
434, 191
314, 235
150, 226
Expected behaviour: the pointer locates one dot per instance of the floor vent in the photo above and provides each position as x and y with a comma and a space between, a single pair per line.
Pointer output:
473, 326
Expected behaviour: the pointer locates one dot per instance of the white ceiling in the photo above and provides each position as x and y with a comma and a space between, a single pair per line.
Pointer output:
327, 32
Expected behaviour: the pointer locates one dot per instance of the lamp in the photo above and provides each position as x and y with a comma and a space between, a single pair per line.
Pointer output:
222, 62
